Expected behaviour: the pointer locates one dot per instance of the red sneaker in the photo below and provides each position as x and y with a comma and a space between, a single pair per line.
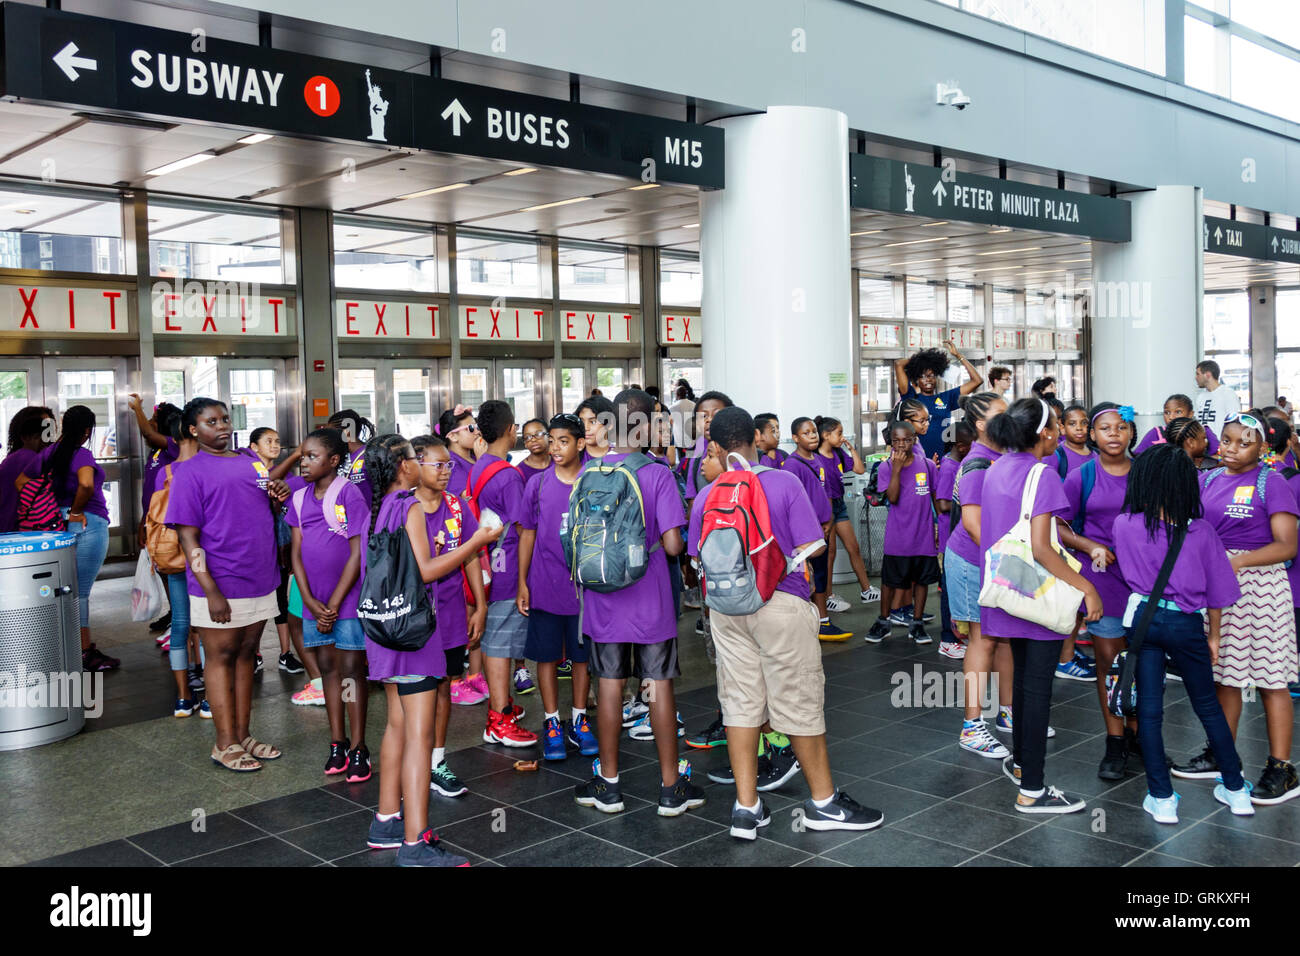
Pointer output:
502, 729
513, 710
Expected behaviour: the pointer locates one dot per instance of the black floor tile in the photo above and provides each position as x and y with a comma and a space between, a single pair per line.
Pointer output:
962, 825
364, 794
113, 853
295, 810
725, 850
935, 777
514, 786
652, 863
220, 830
502, 831
268, 851
877, 705
573, 850
909, 739
644, 831
1226, 846
891, 846
844, 725
988, 859
479, 761
1161, 859
1057, 846
860, 759
332, 839
444, 811
560, 807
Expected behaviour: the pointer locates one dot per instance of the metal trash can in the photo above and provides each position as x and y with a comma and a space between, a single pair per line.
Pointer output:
42, 687
868, 523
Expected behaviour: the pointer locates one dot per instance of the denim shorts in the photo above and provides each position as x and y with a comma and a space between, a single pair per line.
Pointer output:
553, 637
346, 634
506, 631
961, 580
839, 510
1107, 627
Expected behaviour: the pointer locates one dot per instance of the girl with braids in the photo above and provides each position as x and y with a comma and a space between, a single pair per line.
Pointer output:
222, 506
918, 377
1254, 512
1027, 432
834, 459
1162, 507
1192, 437
356, 432
327, 518
27, 431
915, 414
410, 678
1074, 434
456, 427
1176, 406
1277, 435
961, 565
78, 484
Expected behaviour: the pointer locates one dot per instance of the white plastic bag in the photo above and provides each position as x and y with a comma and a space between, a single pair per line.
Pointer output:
147, 595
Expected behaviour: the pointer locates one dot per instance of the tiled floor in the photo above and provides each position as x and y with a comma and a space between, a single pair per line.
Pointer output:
943, 807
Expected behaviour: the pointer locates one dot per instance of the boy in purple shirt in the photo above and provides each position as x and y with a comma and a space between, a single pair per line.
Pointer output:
963, 433
501, 491
769, 662
633, 630
768, 440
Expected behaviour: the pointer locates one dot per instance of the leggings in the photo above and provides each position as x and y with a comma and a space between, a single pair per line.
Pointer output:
282, 597
1031, 702
92, 548
178, 651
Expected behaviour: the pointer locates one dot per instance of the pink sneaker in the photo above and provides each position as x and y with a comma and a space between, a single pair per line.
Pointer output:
467, 693
309, 696
480, 683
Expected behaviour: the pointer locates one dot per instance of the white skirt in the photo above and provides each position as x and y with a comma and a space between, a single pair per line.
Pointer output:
243, 611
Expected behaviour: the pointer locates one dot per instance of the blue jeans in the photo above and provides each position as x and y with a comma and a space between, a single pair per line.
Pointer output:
1182, 637
178, 651
92, 548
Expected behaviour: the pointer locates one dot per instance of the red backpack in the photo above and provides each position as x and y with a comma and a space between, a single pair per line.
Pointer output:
740, 559
38, 509
471, 497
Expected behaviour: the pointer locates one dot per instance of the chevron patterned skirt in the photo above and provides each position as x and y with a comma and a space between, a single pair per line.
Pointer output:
1257, 637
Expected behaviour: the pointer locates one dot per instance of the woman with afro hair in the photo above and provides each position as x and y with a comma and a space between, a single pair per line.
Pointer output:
918, 377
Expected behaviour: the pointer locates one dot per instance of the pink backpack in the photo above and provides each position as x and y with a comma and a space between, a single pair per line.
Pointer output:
329, 505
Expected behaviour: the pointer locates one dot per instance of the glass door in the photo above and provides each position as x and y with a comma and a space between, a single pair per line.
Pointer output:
674, 369
876, 385
519, 384
573, 386
578, 377
21, 384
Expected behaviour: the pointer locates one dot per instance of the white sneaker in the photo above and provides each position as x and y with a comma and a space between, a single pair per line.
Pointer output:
956, 650
691, 598
837, 604
1238, 801
634, 710
641, 730
871, 595
1162, 809
980, 742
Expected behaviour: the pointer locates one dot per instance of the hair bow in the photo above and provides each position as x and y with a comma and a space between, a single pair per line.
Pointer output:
460, 410
1126, 413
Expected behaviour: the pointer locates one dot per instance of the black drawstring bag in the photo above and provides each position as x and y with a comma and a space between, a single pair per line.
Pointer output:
393, 605
1121, 694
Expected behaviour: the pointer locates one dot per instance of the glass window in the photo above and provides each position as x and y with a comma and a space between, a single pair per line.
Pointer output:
254, 388
195, 243
411, 398
961, 304
1288, 376
1287, 318
681, 281
1277, 19
1200, 66
1264, 80
14, 395
1236, 375
1004, 308
385, 257
509, 266
920, 301
1037, 313
60, 232
1227, 321
169, 386
573, 387
518, 386
473, 386
357, 391
876, 297
597, 273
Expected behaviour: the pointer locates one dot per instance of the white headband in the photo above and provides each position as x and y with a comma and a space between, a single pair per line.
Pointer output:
1047, 413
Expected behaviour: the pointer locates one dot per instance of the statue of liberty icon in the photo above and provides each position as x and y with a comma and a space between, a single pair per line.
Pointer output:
911, 189
378, 110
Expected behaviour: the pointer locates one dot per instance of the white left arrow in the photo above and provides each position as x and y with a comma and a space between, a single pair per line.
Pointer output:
68, 61
458, 115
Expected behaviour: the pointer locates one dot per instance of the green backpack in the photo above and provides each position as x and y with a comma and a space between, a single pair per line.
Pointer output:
604, 541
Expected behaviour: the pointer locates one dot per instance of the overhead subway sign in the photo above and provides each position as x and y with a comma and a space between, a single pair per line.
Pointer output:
73, 60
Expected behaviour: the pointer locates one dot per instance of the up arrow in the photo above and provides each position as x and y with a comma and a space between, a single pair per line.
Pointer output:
68, 61
1275, 243
1218, 235
458, 115
939, 192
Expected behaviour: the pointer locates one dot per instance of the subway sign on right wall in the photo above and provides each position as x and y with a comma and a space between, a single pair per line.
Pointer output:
1250, 240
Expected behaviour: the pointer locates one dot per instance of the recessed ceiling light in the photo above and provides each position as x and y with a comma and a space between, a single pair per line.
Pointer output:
436, 189
25, 212
182, 163
913, 242
997, 229
552, 205
869, 232
352, 235
252, 139
915, 262
1007, 252
643, 186
522, 171
941, 222
220, 239
691, 225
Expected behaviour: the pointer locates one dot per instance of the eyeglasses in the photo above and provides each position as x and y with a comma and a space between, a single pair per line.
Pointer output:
532, 435
436, 465
566, 417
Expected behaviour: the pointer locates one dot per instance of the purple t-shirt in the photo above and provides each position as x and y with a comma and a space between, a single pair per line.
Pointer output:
969, 488
448, 592
325, 552
1105, 504
835, 464
354, 470
809, 475
642, 612
430, 660
1202, 576
224, 496
1157, 437
504, 494
65, 491
1231, 504
774, 458
909, 525
1073, 460
694, 480
546, 512
999, 511
1293, 572
528, 471
157, 460
793, 524
948, 468
460, 469
15, 464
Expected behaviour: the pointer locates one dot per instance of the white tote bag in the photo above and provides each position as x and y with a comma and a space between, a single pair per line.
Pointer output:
147, 595
1014, 582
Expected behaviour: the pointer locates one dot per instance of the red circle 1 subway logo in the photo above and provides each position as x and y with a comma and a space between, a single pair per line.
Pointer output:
322, 96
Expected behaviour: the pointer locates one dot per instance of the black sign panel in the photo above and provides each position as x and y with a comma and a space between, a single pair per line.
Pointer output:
911, 188
74, 60
1250, 240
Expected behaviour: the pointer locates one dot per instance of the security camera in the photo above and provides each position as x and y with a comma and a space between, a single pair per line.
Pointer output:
961, 101
950, 94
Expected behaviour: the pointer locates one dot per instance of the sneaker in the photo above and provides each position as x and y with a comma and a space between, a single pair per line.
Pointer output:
1294, 688
385, 834
443, 781
699, 625
723, 775
878, 632
165, 641
954, 650
479, 683
1277, 784
1005, 723
257, 666
195, 681
428, 851
93, 659
290, 664
1053, 800
524, 682
837, 604
979, 741
501, 729
926, 617
1162, 809
1114, 761
1238, 801
1011, 770
634, 710
564, 670
899, 619
553, 740
358, 764
1201, 767
1083, 660
832, 632
691, 598
598, 792
682, 795
779, 768
162, 624
184, 707
338, 758
746, 823
466, 692
1073, 670
578, 734
205, 710
1171, 670
714, 735
642, 730
513, 710
309, 696
843, 813
917, 634
871, 595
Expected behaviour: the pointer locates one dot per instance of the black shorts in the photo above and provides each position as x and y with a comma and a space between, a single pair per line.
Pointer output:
553, 637
903, 571
619, 661
820, 575
418, 687
456, 662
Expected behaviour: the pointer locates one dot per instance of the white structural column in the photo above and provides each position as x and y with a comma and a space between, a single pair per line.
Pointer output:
1146, 305
774, 250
